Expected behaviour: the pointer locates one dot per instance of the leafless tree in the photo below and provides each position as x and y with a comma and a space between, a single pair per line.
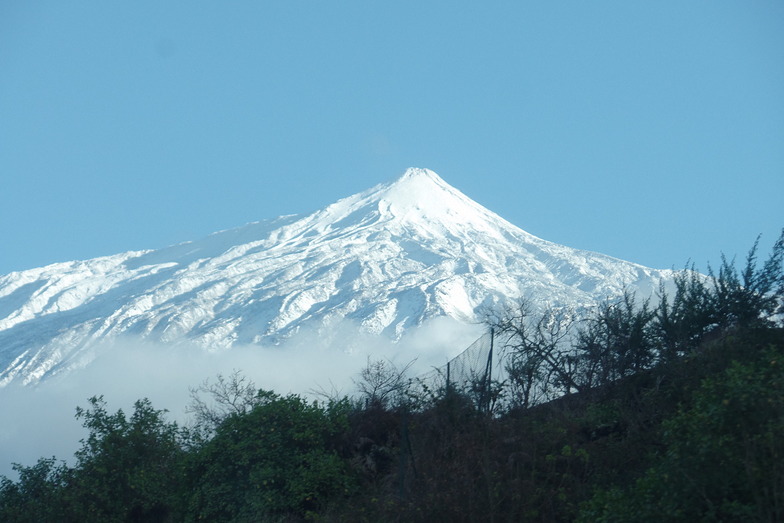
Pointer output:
213, 402
538, 363
382, 383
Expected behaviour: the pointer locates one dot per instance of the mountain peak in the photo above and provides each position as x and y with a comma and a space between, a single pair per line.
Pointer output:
420, 181
420, 191
417, 172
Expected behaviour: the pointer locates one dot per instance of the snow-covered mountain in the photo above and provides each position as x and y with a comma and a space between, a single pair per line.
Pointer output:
388, 259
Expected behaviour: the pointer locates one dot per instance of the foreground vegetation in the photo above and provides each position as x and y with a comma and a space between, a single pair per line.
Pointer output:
665, 413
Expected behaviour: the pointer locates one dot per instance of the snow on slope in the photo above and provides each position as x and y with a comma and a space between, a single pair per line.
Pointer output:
388, 259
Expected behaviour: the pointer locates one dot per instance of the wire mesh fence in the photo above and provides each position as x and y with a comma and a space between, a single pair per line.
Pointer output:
473, 373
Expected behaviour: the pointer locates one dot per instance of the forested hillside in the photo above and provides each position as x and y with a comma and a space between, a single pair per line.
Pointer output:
641, 412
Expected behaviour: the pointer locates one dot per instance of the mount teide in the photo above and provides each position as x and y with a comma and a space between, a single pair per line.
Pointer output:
387, 259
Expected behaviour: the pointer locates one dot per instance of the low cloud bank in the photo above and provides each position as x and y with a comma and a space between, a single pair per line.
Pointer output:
38, 421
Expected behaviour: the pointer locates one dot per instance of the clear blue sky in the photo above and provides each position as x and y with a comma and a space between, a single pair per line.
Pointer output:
650, 131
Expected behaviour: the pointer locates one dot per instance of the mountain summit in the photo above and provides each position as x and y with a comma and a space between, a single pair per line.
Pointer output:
387, 259
423, 193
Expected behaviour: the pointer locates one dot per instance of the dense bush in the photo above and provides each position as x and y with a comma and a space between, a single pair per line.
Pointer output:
128, 469
278, 459
722, 456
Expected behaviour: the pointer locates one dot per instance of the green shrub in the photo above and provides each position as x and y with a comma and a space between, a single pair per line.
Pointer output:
278, 459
